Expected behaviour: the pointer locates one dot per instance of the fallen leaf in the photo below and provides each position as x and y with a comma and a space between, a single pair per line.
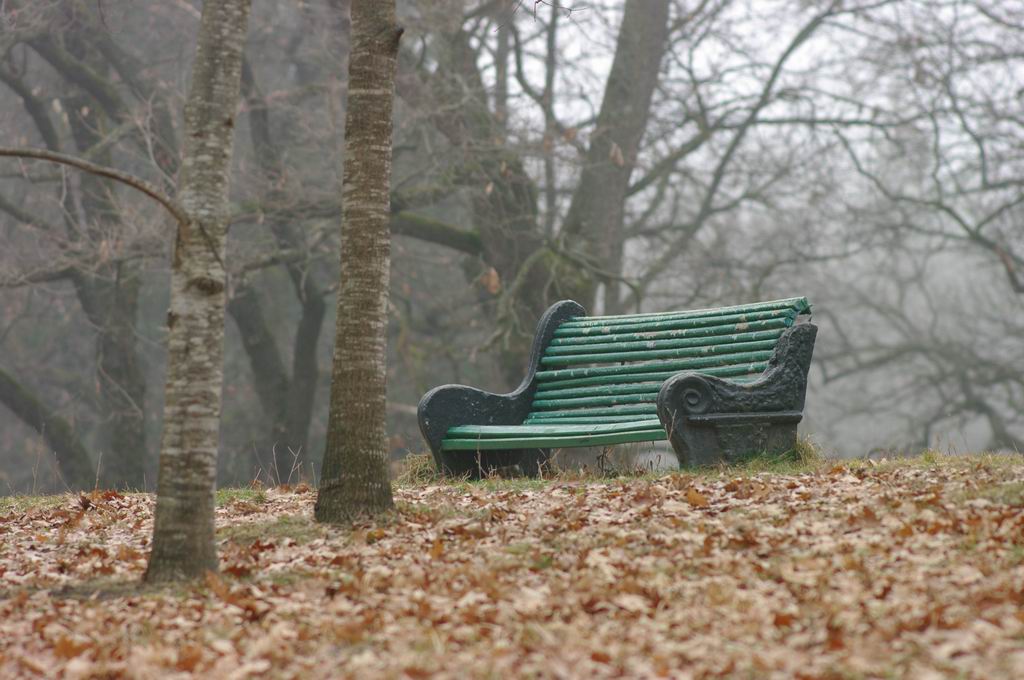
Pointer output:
696, 498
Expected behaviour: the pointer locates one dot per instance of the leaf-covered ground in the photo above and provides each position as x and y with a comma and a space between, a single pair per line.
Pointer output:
849, 571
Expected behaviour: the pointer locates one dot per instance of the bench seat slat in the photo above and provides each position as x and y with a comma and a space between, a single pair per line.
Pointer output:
643, 328
603, 390
652, 354
491, 431
731, 372
599, 391
739, 359
665, 328
611, 400
628, 409
582, 420
666, 339
799, 304
554, 442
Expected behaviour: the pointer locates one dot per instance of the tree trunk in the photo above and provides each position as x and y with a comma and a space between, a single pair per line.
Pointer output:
505, 200
354, 480
269, 375
109, 297
183, 529
596, 213
72, 458
287, 402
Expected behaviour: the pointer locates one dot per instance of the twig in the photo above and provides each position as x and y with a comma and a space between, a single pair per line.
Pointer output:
103, 171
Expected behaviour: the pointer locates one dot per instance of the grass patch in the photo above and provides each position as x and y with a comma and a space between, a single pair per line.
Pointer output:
931, 459
1010, 493
229, 495
417, 469
508, 483
116, 588
423, 513
20, 503
805, 458
807, 452
300, 528
789, 463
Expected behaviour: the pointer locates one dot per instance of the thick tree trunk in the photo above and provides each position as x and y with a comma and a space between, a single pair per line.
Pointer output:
504, 201
109, 297
354, 480
122, 384
72, 458
183, 529
287, 402
596, 213
269, 375
505, 198
107, 290
305, 372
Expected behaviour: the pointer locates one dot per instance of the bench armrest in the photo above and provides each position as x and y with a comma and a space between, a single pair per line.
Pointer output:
448, 406
782, 387
711, 421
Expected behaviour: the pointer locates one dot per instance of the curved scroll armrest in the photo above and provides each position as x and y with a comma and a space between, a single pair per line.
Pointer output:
448, 406
451, 405
781, 388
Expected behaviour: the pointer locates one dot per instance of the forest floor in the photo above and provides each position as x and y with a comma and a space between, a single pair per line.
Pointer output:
910, 568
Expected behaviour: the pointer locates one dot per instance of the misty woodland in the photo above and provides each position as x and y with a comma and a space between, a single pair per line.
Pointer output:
512, 338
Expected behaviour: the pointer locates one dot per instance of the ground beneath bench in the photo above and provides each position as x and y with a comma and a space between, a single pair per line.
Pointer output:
851, 571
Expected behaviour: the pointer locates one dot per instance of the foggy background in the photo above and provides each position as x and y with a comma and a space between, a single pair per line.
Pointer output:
868, 154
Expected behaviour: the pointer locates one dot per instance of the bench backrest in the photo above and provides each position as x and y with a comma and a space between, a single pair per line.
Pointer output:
606, 369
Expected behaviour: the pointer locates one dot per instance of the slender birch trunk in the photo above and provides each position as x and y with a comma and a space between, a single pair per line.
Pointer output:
183, 529
354, 480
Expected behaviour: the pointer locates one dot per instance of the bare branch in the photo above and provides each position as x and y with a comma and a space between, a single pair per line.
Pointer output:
103, 171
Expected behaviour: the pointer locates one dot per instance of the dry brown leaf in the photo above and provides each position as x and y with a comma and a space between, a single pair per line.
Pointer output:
868, 572
491, 281
615, 155
67, 648
189, 657
696, 498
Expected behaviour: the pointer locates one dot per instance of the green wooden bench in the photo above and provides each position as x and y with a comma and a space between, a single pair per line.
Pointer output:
719, 384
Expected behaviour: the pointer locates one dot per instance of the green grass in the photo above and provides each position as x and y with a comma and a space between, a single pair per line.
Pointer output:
936, 459
18, 503
1009, 493
23, 503
229, 495
417, 469
805, 458
299, 528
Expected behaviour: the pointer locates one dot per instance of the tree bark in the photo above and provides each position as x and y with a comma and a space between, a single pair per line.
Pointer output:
354, 479
107, 291
269, 375
287, 402
183, 528
505, 199
595, 216
109, 295
72, 458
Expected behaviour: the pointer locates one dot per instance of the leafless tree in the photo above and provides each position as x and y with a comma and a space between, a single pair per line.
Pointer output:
183, 531
355, 480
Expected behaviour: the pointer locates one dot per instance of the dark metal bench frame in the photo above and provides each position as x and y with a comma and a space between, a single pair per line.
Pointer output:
708, 420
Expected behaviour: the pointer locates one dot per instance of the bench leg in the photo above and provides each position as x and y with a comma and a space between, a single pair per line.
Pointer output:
728, 443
